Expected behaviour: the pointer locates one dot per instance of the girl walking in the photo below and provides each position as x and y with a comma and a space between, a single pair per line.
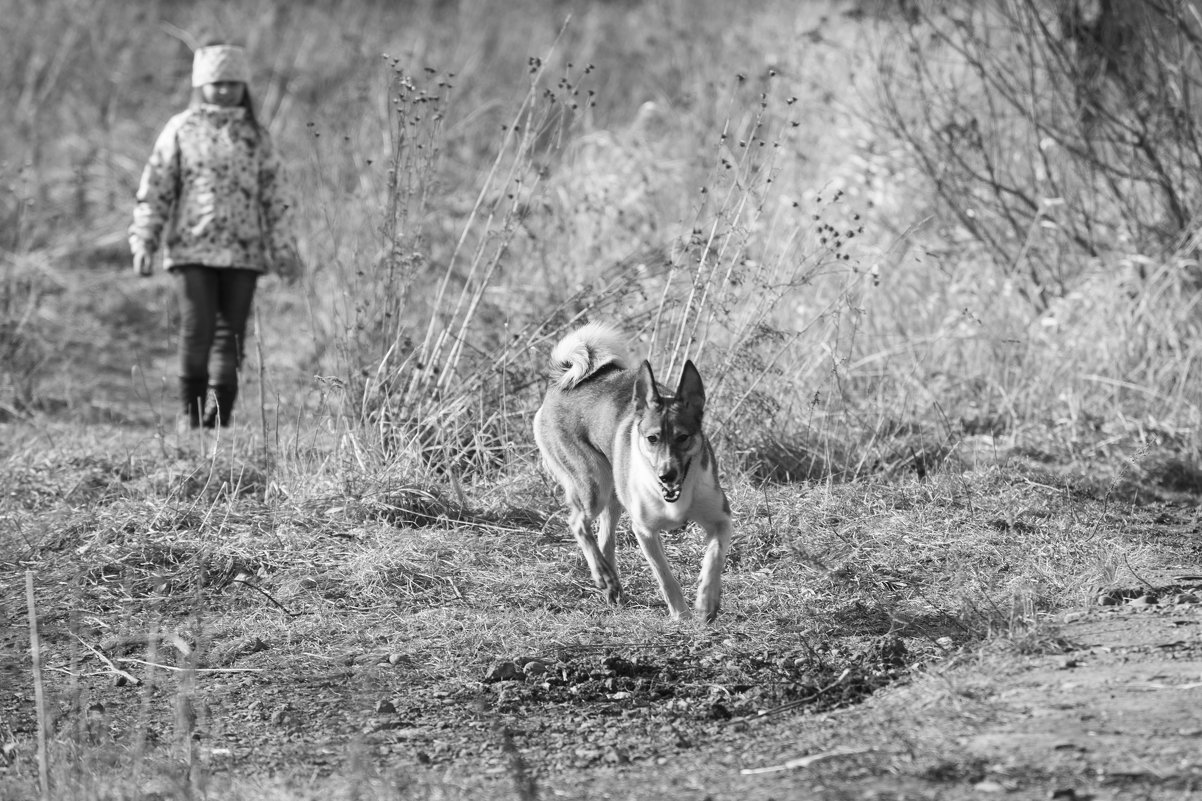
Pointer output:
212, 194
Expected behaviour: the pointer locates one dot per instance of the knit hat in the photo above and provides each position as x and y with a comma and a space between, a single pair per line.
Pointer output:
219, 63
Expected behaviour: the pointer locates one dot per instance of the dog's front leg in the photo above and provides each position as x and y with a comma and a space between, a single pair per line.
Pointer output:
669, 587
603, 570
709, 583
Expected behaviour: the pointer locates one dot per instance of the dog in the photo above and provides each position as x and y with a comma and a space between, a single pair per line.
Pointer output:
614, 439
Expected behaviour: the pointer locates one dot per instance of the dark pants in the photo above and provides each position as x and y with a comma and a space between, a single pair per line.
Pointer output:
215, 305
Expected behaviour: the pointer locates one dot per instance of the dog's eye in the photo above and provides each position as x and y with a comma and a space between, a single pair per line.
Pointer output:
653, 438
682, 439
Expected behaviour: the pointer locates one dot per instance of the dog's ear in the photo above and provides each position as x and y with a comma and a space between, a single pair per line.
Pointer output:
691, 392
645, 391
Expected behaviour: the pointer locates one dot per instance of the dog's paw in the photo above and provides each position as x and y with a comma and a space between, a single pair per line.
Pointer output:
683, 614
610, 587
708, 607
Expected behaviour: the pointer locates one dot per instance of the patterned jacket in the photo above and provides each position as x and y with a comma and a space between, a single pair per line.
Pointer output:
215, 185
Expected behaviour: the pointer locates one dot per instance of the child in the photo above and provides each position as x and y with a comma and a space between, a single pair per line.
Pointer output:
214, 183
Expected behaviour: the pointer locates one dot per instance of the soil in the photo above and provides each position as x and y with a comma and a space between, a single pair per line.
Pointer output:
1105, 703
1108, 706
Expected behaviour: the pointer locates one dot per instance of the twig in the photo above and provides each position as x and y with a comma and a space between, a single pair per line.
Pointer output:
267, 595
806, 761
792, 704
267, 465
39, 695
132, 679
137, 661
1138, 577
126, 640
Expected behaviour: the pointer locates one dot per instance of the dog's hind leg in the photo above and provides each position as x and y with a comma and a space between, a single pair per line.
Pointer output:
601, 565
587, 480
607, 531
589, 494
669, 587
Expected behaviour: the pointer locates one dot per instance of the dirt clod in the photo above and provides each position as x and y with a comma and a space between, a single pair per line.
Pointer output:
503, 671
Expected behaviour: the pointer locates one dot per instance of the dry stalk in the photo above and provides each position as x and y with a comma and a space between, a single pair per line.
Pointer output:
38, 690
263, 407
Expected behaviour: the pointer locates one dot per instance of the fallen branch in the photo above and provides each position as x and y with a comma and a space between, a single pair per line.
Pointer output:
805, 761
188, 669
132, 679
142, 640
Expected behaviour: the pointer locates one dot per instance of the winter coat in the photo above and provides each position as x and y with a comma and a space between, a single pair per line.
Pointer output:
214, 183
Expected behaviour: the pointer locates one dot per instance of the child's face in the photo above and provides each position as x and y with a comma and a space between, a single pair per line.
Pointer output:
223, 93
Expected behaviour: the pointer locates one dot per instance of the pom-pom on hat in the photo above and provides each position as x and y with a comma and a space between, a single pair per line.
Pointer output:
219, 63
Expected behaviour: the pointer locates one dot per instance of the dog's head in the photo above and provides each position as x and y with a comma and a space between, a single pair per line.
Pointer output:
669, 427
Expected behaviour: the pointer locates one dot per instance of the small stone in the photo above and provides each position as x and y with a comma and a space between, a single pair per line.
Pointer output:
385, 707
1185, 598
534, 668
1106, 599
719, 712
396, 659
616, 756
989, 786
503, 671
1143, 600
1069, 664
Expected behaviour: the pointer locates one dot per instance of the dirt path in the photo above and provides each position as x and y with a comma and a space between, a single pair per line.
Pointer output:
1106, 704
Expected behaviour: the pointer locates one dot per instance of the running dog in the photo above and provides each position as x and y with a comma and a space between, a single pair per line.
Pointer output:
613, 438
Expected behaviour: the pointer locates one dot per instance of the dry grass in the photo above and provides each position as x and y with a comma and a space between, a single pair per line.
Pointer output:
915, 455
398, 593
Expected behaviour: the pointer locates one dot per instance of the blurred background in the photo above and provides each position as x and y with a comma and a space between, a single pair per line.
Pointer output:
890, 233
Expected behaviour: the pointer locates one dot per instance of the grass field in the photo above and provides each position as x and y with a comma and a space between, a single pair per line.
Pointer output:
366, 588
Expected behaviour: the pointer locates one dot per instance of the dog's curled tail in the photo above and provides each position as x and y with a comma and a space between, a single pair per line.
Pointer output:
586, 350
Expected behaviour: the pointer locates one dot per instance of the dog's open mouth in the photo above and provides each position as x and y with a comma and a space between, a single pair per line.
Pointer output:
671, 489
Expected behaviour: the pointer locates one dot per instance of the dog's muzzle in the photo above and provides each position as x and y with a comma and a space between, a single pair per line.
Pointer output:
671, 489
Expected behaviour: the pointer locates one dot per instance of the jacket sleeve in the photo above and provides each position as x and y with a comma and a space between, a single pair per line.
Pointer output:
279, 215
157, 191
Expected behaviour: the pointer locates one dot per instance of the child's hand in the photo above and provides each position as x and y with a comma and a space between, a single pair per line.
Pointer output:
142, 263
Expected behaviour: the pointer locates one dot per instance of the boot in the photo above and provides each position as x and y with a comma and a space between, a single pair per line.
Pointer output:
220, 407
192, 392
